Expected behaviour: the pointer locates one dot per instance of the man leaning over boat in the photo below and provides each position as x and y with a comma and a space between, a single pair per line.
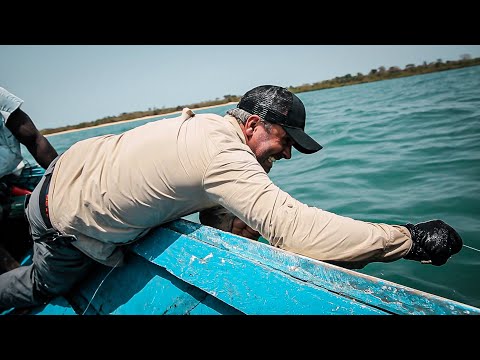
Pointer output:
98, 196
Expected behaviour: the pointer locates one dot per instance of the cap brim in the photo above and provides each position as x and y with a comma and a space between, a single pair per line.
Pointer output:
303, 143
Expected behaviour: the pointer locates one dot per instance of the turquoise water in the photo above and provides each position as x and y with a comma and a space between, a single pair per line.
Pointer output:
395, 151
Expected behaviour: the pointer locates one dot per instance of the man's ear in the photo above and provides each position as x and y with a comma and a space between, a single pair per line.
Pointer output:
251, 123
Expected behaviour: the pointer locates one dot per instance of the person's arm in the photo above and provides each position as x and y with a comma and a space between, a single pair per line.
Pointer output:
242, 229
23, 128
220, 218
236, 181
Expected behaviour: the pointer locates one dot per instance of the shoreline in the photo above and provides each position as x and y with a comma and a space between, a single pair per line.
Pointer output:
416, 70
137, 119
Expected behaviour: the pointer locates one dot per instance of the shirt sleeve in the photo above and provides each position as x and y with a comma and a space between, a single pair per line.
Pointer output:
8, 103
235, 180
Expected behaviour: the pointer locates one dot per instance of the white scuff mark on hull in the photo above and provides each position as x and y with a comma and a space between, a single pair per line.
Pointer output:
192, 259
201, 260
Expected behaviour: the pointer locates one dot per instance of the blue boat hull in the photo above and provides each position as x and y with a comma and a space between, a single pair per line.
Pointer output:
186, 268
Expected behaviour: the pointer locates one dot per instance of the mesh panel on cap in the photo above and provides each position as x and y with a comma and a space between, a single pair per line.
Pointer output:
270, 103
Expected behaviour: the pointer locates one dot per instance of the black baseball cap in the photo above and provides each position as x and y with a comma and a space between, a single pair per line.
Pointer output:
278, 105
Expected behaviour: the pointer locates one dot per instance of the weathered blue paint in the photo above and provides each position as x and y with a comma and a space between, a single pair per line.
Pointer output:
385, 295
58, 306
142, 288
247, 285
186, 268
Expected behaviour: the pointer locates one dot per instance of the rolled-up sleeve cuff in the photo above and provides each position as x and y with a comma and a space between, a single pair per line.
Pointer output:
8, 103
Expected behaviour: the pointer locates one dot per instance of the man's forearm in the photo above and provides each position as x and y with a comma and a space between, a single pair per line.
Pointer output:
217, 217
43, 151
23, 128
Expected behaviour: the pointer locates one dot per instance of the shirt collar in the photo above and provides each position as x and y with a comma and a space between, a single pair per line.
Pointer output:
237, 127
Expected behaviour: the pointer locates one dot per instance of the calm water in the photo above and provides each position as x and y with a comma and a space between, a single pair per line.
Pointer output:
395, 151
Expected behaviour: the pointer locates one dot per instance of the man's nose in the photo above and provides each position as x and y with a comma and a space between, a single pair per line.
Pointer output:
287, 153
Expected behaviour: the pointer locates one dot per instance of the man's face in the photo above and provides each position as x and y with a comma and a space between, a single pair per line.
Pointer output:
269, 142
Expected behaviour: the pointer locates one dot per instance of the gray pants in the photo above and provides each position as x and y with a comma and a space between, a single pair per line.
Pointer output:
56, 264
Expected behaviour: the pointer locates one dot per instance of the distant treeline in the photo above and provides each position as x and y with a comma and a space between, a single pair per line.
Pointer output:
382, 73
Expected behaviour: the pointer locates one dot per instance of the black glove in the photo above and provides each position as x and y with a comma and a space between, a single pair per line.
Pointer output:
434, 242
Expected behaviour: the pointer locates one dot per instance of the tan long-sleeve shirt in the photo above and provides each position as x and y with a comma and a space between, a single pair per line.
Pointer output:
111, 190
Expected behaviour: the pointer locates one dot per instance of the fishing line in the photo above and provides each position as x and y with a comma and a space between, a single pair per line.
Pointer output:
95, 293
471, 247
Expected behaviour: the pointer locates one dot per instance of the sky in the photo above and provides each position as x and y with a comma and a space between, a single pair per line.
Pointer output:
69, 84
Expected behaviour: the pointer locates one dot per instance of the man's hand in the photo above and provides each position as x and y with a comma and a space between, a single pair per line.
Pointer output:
434, 242
242, 229
220, 218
